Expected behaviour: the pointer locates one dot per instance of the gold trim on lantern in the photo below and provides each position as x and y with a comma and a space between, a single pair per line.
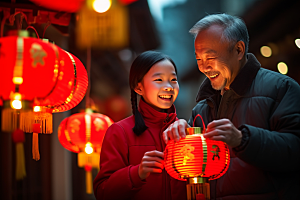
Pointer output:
88, 127
204, 148
193, 130
71, 95
197, 180
18, 69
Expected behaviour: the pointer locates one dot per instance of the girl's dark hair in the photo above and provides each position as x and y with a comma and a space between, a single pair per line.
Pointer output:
140, 66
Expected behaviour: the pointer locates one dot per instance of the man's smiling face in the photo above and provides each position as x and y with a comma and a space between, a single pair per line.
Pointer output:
216, 57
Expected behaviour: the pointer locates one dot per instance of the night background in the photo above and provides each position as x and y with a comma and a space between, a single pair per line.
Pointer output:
161, 25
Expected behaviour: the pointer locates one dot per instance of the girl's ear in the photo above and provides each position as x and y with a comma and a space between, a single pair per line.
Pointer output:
139, 89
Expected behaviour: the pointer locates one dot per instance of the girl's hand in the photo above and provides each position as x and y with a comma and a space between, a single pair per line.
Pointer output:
175, 131
152, 162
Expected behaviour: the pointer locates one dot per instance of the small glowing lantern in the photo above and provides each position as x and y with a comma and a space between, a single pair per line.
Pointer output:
197, 160
83, 133
107, 28
64, 5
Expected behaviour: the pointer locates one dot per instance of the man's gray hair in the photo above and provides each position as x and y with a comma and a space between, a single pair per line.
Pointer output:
234, 28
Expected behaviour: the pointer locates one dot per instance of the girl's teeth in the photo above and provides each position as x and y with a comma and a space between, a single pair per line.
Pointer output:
166, 96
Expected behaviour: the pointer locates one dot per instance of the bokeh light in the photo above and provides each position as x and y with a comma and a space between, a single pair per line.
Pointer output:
16, 104
266, 51
282, 68
88, 148
101, 6
297, 42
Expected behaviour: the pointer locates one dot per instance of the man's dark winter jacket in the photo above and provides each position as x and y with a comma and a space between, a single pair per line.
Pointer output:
265, 105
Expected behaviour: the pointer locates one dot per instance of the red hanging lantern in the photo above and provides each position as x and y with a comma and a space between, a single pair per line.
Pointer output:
198, 160
29, 71
65, 5
71, 87
41, 75
83, 133
74, 80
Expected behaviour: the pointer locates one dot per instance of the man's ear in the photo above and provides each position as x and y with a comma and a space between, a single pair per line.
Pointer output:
139, 89
240, 48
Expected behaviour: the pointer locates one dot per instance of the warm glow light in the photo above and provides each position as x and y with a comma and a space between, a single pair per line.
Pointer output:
88, 148
266, 51
17, 80
17, 96
16, 104
282, 68
37, 109
101, 6
297, 42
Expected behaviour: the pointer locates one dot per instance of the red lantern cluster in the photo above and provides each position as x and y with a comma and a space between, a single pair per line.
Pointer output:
38, 73
38, 78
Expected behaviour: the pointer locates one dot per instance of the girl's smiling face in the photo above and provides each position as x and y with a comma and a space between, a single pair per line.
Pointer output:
159, 87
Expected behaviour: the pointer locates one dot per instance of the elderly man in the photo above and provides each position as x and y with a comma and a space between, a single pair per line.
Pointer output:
254, 110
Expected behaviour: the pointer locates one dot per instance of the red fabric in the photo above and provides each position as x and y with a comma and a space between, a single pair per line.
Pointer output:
121, 154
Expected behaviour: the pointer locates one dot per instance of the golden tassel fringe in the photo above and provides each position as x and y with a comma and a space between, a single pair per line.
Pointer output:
42, 118
35, 146
11, 119
20, 161
26, 121
45, 120
200, 188
89, 182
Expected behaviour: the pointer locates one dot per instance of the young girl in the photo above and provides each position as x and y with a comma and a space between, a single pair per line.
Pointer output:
131, 160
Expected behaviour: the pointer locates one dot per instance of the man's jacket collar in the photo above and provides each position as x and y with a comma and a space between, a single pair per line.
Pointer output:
240, 84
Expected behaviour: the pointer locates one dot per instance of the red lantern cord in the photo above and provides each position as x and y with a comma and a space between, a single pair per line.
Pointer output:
48, 24
37, 35
204, 129
88, 69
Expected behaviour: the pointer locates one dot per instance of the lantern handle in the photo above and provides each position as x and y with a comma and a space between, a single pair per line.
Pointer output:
37, 35
198, 115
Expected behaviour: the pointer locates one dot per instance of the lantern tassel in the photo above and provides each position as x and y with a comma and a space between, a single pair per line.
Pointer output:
18, 138
35, 146
199, 191
88, 178
13, 119
89, 182
45, 120
20, 161
26, 121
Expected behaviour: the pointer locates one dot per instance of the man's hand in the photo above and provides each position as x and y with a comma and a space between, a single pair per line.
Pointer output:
224, 130
175, 131
152, 162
